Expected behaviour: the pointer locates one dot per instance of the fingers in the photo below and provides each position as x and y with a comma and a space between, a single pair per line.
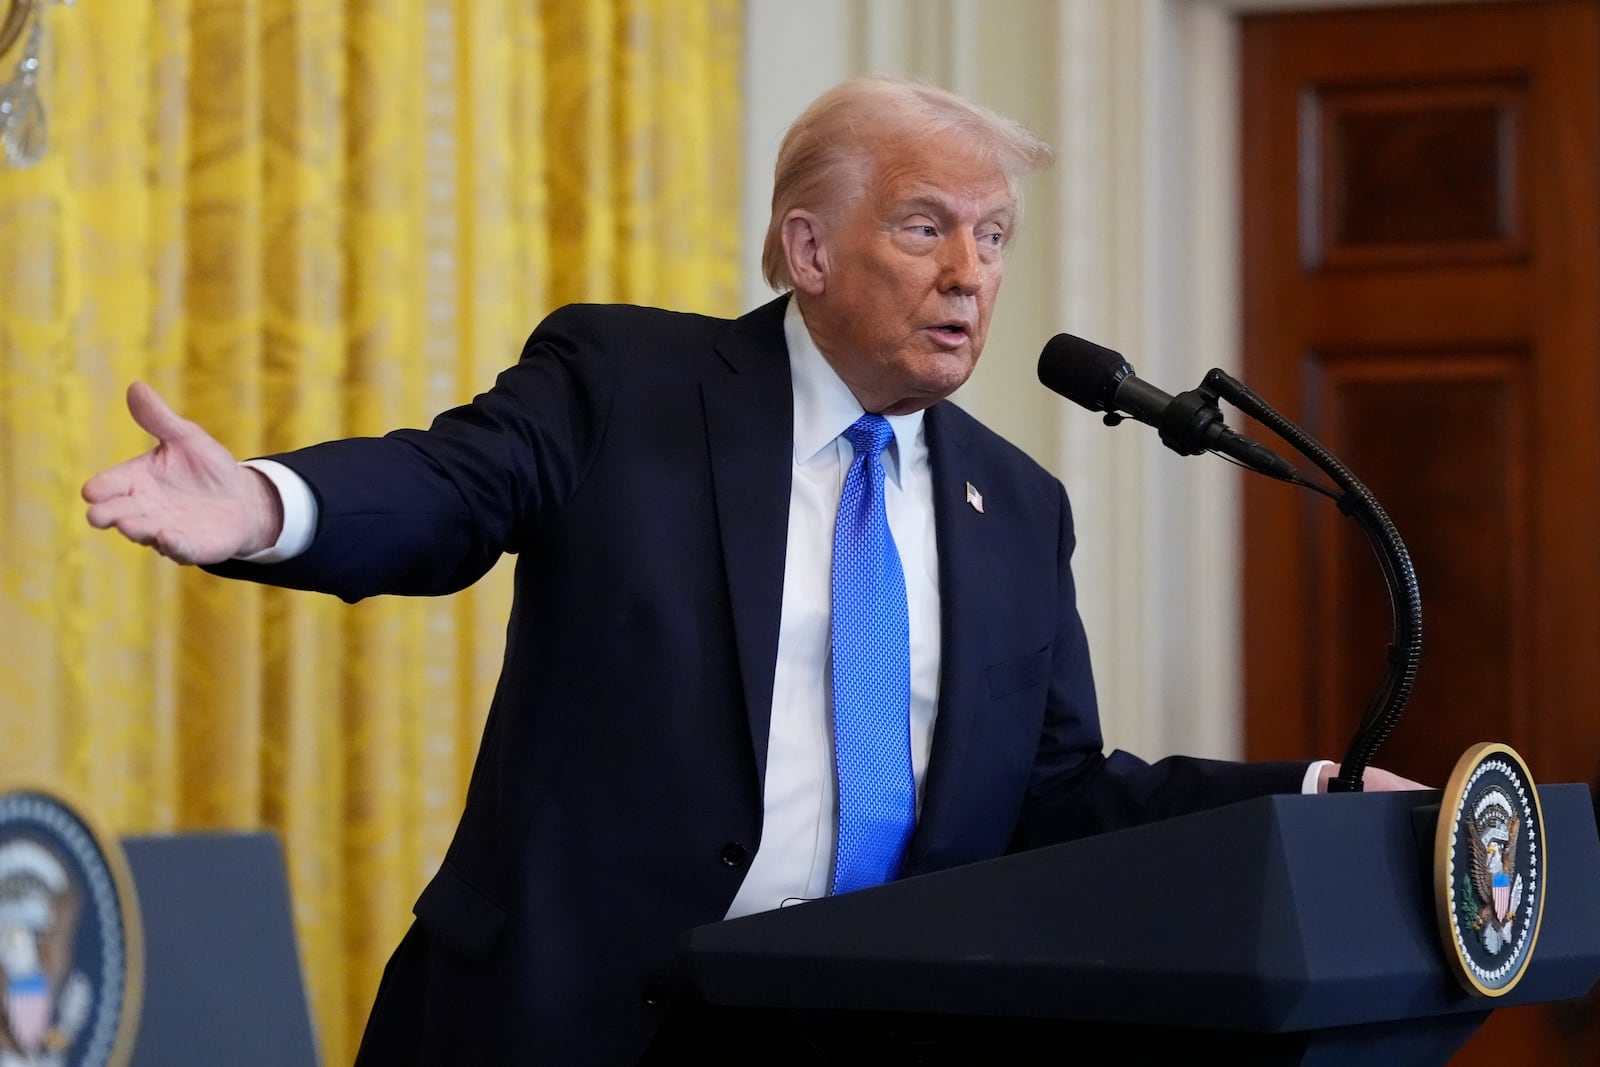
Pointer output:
1378, 780
114, 509
153, 416
152, 413
112, 482
129, 518
1373, 780
175, 548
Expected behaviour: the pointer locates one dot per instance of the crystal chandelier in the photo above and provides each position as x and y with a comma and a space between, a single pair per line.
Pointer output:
23, 132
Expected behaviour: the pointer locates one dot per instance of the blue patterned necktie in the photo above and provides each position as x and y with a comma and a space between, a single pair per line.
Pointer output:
871, 675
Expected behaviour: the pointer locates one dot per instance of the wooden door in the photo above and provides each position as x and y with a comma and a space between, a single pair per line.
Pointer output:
1421, 248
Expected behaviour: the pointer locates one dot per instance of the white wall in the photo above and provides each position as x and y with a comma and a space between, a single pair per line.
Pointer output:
1129, 241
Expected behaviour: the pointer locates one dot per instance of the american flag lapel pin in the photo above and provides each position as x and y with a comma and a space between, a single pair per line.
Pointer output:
975, 498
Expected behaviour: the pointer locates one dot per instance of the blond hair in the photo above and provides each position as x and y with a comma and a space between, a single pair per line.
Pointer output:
826, 160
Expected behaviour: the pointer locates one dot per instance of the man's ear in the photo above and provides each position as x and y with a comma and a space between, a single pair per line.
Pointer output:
805, 251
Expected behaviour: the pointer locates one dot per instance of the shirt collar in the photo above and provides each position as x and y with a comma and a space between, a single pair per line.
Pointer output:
824, 406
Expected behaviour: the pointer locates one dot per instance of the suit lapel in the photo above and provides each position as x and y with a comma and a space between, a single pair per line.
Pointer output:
750, 427
963, 577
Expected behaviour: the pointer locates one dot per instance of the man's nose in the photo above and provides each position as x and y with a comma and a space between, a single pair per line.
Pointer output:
961, 270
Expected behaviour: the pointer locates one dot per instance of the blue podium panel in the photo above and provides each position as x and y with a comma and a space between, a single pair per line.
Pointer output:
222, 980
1275, 917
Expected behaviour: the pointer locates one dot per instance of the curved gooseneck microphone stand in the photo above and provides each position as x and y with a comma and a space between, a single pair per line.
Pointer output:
1405, 598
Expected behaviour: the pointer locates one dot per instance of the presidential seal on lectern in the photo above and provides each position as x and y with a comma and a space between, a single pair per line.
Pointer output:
71, 946
1489, 869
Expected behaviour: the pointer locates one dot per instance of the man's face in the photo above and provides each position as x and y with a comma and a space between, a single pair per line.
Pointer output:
907, 275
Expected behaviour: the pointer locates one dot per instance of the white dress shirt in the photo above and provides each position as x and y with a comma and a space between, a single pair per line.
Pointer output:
799, 820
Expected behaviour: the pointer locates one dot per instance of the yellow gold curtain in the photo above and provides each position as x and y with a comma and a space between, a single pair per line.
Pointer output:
301, 221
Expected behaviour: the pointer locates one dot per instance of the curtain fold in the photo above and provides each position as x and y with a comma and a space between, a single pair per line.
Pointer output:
300, 221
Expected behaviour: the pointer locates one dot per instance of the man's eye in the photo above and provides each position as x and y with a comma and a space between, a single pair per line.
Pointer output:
995, 239
924, 230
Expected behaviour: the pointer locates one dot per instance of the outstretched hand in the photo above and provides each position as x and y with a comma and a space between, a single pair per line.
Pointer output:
187, 497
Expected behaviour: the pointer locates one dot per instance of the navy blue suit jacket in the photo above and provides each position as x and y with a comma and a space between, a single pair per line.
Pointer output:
638, 462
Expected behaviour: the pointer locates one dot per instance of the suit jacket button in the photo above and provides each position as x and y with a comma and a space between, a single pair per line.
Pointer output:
655, 994
735, 854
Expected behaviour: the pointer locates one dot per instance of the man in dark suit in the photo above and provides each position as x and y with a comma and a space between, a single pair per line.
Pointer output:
661, 748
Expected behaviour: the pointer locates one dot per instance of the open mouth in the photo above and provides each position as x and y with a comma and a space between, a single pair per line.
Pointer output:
950, 333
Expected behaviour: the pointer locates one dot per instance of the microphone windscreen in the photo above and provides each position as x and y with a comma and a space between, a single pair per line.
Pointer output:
1082, 371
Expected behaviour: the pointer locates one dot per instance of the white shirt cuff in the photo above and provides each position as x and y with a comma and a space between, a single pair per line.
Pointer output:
1308, 784
299, 513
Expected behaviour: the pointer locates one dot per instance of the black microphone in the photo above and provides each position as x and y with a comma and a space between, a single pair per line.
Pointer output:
1190, 423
